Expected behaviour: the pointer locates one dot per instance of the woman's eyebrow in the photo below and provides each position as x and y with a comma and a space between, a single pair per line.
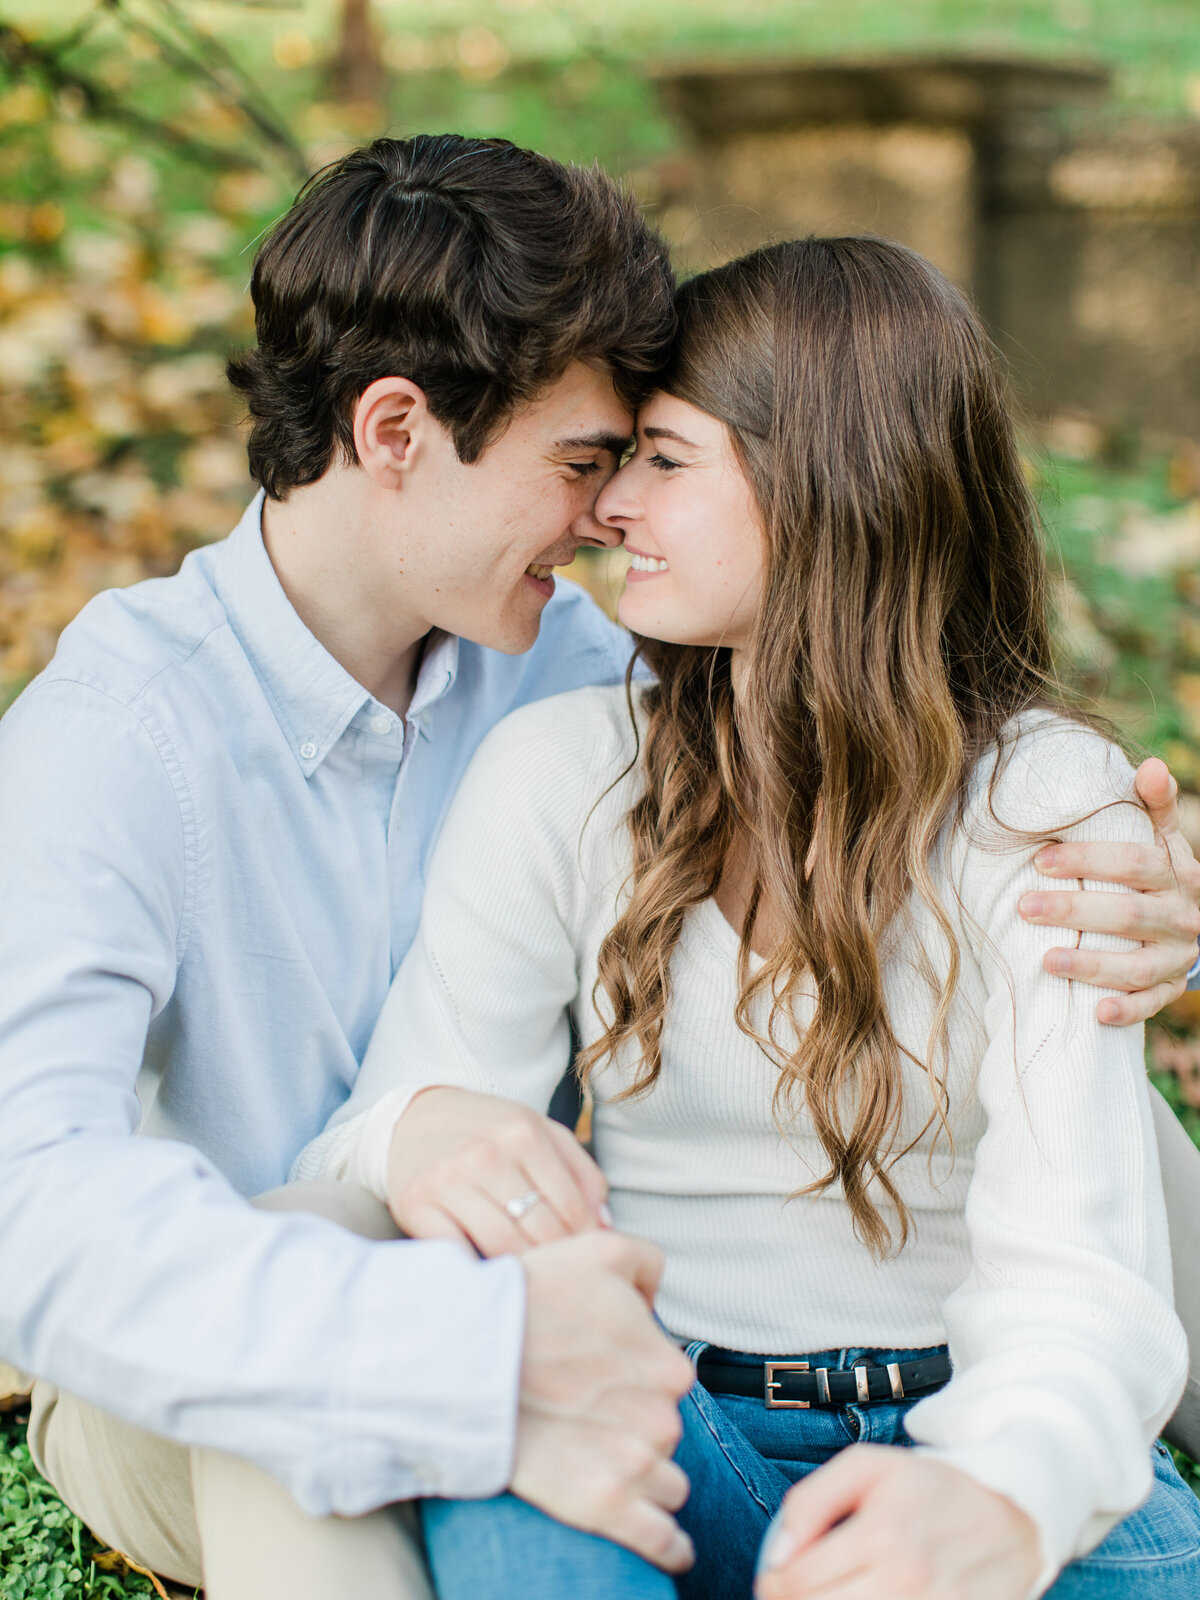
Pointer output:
615, 443
669, 433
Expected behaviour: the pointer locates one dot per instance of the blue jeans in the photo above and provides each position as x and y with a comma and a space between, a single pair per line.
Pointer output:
741, 1460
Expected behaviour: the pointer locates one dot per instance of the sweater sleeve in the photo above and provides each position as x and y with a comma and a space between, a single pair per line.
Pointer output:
1068, 1356
481, 1001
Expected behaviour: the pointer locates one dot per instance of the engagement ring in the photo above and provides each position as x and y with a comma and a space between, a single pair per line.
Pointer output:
521, 1203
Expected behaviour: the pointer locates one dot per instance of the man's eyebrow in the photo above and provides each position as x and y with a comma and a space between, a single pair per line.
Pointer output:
669, 433
615, 443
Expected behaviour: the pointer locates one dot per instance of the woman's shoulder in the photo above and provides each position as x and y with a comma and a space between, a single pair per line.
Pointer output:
561, 742
1047, 773
575, 719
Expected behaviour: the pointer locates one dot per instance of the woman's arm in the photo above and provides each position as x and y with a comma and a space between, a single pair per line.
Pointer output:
1068, 1356
446, 1120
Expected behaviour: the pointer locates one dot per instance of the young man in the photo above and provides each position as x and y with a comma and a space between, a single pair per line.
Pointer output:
216, 806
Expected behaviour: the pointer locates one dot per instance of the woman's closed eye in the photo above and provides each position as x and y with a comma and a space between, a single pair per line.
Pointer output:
662, 463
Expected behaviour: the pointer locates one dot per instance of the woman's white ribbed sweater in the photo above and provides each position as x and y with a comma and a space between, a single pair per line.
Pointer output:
1040, 1250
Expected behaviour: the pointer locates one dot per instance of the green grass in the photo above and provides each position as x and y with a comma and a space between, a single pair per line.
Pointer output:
1188, 1470
46, 1553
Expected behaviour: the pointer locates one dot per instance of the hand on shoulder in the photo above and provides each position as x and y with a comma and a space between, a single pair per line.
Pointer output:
1163, 914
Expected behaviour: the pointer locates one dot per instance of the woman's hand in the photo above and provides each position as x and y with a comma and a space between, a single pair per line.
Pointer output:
883, 1523
491, 1174
1163, 915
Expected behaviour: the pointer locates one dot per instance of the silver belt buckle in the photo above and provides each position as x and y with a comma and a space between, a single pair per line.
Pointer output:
770, 1368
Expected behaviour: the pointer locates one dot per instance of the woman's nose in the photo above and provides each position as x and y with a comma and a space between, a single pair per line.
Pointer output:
615, 505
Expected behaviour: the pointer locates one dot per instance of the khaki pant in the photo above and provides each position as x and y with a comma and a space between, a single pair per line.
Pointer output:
200, 1517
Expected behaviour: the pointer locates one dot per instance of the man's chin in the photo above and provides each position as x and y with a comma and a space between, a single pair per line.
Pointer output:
512, 637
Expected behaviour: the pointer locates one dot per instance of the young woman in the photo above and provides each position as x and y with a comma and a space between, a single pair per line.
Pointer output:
905, 1183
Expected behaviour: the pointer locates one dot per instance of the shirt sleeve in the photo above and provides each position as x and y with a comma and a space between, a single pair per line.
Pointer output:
133, 1275
481, 1001
1068, 1356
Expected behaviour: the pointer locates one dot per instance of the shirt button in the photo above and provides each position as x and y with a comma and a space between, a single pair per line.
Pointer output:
381, 724
428, 1478
308, 751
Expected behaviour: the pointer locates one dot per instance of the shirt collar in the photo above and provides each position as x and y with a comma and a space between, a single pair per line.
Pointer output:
312, 695
439, 669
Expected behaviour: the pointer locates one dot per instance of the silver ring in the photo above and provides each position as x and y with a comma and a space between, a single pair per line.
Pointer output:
521, 1203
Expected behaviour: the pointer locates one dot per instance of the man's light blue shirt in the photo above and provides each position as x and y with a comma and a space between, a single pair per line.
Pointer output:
213, 844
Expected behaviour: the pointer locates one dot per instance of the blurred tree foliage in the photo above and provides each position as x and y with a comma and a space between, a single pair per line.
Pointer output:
120, 224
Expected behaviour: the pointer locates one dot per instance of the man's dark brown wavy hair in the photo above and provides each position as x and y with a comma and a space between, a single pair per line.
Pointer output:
476, 269
902, 625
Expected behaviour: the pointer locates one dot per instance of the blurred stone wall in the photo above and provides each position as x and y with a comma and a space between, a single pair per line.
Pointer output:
907, 181
1090, 270
1079, 239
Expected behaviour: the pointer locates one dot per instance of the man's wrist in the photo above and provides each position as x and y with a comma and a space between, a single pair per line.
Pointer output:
446, 1424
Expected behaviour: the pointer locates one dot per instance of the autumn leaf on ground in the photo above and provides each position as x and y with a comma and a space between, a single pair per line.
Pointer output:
116, 1561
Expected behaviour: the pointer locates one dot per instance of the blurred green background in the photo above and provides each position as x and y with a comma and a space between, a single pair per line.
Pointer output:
146, 144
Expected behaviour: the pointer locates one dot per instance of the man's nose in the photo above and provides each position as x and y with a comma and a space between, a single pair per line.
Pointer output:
590, 528
599, 534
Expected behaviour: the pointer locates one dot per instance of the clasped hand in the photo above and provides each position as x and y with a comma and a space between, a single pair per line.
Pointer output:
458, 1158
600, 1382
599, 1416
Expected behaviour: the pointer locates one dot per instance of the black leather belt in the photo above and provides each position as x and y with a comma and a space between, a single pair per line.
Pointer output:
799, 1386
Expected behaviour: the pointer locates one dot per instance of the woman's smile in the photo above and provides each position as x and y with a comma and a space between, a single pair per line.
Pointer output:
643, 566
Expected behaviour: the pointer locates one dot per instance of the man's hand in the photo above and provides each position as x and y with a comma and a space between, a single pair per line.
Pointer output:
600, 1387
458, 1158
880, 1523
1163, 915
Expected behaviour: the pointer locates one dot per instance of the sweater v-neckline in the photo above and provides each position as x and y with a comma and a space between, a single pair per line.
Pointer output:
722, 934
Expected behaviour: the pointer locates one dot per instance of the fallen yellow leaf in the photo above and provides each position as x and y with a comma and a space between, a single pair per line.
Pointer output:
117, 1561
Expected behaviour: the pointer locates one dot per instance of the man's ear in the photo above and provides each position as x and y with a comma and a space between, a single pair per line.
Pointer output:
391, 422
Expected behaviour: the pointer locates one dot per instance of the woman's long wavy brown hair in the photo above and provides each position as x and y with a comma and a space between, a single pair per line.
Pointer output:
902, 625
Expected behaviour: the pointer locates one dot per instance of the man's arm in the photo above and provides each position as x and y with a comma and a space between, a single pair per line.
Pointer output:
1164, 915
356, 1373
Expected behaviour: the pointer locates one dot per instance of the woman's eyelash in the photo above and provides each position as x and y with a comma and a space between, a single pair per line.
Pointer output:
663, 463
